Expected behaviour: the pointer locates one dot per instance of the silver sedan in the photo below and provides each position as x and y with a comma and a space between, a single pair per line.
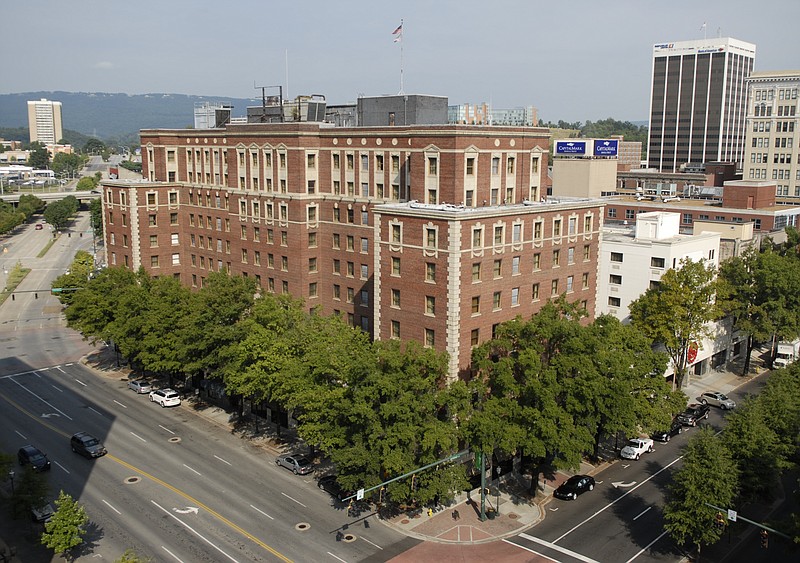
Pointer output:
140, 386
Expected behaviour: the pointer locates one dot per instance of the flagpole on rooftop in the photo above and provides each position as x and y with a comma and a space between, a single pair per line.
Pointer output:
401, 56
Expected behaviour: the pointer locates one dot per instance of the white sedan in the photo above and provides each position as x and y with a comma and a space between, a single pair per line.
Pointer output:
165, 397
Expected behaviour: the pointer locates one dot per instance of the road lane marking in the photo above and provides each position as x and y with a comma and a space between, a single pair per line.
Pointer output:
339, 558
558, 548
262, 512
195, 532
297, 501
156, 480
57, 388
61, 466
615, 501
645, 548
120, 404
173, 555
642, 513
59, 369
111, 507
40, 398
190, 469
81, 382
167, 429
95, 410
223, 461
369, 542
526, 548
21, 435
137, 436
618, 484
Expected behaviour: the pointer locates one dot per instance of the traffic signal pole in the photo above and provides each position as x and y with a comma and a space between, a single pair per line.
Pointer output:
757, 524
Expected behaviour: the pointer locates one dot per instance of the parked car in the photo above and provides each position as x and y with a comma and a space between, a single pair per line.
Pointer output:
693, 414
717, 399
165, 397
574, 486
636, 447
30, 455
42, 514
87, 445
139, 385
298, 465
665, 435
330, 485
39, 227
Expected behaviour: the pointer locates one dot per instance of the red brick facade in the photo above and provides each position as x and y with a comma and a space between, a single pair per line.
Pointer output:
307, 210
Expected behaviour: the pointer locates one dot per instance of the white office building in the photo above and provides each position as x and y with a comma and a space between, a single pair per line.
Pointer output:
44, 121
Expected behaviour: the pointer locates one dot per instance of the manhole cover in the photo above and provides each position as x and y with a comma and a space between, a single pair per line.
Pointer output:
513, 516
132, 480
349, 538
174, 440
404, 521
303, 526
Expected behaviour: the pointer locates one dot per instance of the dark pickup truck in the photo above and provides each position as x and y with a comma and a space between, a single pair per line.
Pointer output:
693, 414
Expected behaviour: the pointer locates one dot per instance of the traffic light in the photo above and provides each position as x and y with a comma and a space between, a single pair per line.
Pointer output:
764, 539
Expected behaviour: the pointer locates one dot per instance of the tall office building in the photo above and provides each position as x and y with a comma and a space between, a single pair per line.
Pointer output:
44, 121
773, 132
698, 102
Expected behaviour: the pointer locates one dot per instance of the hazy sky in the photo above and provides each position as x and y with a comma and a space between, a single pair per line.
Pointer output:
574, 60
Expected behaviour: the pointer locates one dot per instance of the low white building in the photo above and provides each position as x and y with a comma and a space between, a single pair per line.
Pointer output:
634, 257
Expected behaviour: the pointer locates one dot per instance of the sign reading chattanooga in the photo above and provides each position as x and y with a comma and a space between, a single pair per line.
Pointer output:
570, 147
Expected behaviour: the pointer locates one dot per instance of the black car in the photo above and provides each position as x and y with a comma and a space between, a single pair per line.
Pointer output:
87, 445
665, 435
30, 455
330, 485
693, 414
574, 486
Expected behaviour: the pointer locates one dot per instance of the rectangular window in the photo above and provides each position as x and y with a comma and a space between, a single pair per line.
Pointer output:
535, 288
614, 301
616, 256
476, 272
497, 270
312, 289
537, 261
557, 228
364, 272
312, 264
430, 305
336, 241
429, 337
395, 329
364, 245
337, 292
514, 296
585, 280
337, 266
396, 298
396, 234
615, 279
395, 266
556, 257
474, 337
351, 243
470, 166
477, 236
498, 235
430, 237
656, 262
554, 287
496, 299
430, 272
153, 241
350, 269
363, 298
515, 266
516, 233
476, 305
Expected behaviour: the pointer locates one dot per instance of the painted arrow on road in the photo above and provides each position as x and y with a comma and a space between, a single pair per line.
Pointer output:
186, 510
618, 484
49, 414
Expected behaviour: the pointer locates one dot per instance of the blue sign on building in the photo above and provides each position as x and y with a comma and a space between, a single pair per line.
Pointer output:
570, 147
605, 147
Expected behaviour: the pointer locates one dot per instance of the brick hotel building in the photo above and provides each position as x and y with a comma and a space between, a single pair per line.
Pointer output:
433, 233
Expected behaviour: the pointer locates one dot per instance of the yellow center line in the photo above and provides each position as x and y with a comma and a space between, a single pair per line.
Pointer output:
158, 481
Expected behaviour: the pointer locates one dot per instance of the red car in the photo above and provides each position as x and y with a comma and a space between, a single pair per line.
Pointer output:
39, 226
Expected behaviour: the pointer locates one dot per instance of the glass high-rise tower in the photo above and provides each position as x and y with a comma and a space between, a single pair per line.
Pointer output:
698, 100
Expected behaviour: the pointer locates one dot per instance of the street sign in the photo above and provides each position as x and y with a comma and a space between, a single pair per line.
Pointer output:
360, 494
731, 515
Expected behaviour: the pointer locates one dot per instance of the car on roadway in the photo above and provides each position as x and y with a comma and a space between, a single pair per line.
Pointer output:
636, 447
140, 386
165, 397
296, 464
87, 445
31, 455
42, 514
693, 414
574, 486
39, 227
717, 399
665, 435
330, 485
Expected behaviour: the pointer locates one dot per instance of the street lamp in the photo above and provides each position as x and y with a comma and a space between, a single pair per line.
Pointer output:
11, 476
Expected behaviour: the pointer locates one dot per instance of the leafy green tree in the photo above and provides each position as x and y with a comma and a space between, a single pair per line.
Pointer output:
85, 184
675, 313
78, 276
96, 217
39, 157
94, 146
130, 556
58, 213
67, 527
709, 475
29, 204
755, 447
780, 407
67, 163
10, 217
